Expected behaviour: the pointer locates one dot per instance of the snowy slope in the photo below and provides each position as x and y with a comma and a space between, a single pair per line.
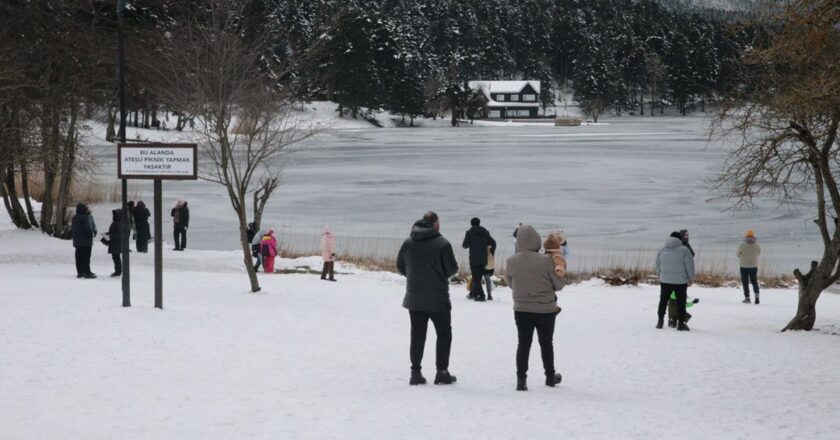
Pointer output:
307, 359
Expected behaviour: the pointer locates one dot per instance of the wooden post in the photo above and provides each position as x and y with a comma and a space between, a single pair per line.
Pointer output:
158, 245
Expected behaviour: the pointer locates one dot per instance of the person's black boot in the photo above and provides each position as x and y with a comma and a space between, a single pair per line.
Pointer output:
489, 297
444, 378
481, 298
682, 327
672, 323
660, 322
522, 383
756, 298
553, 379
417, 378
746, 300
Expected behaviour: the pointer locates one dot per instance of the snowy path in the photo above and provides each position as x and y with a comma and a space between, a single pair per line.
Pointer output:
309, 359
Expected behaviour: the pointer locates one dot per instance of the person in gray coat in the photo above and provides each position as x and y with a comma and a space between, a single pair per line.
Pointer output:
427, 261
675, 269
534, 282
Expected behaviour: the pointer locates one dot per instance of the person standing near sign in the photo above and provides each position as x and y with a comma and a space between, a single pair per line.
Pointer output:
84, 229
141, 222
181, 220
114, 241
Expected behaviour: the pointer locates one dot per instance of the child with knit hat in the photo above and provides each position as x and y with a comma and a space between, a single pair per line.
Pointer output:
748, 252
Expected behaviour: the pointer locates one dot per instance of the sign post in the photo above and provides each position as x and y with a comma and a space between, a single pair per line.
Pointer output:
158, 162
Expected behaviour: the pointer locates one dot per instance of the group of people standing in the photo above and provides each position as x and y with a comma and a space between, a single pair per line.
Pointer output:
264, 249
427, 260
83, 229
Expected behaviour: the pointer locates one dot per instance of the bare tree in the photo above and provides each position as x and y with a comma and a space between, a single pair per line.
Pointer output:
244, 122
786, 126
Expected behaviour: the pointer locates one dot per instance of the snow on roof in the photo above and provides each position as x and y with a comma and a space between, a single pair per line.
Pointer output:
504, 86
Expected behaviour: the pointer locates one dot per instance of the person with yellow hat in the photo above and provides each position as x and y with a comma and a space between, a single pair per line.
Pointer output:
748, 252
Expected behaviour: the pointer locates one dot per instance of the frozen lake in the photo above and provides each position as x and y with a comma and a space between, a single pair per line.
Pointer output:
617, 190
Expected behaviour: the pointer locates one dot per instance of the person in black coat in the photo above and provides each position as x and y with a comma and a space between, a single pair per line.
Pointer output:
181, 221
141, 222
83, 229
479, 242
115, 241
427, 261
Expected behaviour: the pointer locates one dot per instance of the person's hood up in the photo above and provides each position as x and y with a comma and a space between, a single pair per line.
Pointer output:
528, 239
271, 232
141, 204
184, 203
749, 240
326, 231
673, 243
116, 215
423, 230
81, 209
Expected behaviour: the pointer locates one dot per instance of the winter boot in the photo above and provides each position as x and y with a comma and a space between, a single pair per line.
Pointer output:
553, 379
481, 298
444, 378
489, 297
660, 322
522, 383
746, 300
672, 323
89, 276
682, 327
416, 378
756, 298
116, 274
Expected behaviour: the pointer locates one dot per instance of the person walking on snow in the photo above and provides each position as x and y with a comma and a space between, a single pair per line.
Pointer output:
141, 222
268, 249
481, 244
748, 252
328, 254
672, 302
533, 279
83, 229
254, 238
427, 261
181, 221
675, 269
115, 241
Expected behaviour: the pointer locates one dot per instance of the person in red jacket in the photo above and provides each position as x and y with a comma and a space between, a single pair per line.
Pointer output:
268, 249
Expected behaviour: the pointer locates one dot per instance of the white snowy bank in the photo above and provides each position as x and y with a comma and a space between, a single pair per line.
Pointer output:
307, 359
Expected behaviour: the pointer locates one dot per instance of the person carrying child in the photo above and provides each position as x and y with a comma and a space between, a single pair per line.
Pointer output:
268, 250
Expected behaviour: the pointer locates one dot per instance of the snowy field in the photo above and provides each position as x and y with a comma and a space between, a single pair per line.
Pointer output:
617, 189
306, 359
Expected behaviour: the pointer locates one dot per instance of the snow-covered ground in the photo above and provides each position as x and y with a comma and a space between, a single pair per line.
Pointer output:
307, 359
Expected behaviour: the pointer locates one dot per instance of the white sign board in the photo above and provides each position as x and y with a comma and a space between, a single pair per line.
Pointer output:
157, 161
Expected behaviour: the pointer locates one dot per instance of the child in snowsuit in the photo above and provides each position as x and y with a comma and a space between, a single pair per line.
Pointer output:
268, 249
672, 309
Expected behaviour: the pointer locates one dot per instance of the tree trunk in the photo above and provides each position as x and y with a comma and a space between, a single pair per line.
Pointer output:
24, 186
111, 132
247, 258
68, 162
17, 212
811, 286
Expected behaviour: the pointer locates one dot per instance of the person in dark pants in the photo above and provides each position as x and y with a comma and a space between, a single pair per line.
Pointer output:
141, 222
427, 261
675, 269
533, 280
115, 241
748, 253
83, 229
478, 240
181, 221
672, 303
254, 239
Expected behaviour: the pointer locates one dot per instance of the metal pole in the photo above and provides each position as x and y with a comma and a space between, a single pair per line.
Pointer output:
158, 245
126, 231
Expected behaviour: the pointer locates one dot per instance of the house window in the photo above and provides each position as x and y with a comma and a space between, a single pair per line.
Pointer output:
530, 98
500, 97
494, 114
514, 97
518, 113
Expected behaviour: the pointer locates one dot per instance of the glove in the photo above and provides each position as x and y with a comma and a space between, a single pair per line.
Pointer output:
695, 300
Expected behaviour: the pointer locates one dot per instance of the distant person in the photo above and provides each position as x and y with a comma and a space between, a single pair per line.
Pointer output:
181, 221
480, 243
675, 269
427, 261
748, 252
672, 302
268, 250
533, 279
131, 226
141, 222
254, 238
489, 270
115, 241
328, 254
515, 231
83, 229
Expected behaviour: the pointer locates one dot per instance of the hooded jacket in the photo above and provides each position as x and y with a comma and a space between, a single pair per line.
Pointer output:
141, 222
531, 275
83, 227
674, 263
477, 240
181, 215
327, 246
427, 261
115, 233
748, 252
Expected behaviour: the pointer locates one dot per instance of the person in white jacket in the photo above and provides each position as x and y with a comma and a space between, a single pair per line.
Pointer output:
328, 254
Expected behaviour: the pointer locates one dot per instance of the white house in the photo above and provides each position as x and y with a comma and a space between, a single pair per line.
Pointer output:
510, 99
